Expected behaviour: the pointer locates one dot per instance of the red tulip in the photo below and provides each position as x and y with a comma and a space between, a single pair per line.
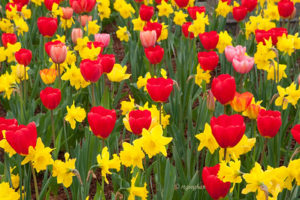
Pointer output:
10, 38
91, 70
96, 45
82, 6
107, 62
223, 87
47, 26
153, 26
23, 56
194, 10
49, 3
209, 40
249, 4
239, 13
58, 53
154, 54
277, 32
159, 1
139, 120
208, 60
146, 12
102, 121
262, 35
296, 133
50, 97
216, 188
185, 30
21, 2
159, 89
228, 1
285, 8
5, 124
228, 130
48, 45
21, 137
9, 6
268, 123
182, 3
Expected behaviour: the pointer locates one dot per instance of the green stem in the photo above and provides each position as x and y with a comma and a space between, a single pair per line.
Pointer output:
160, 110
225, 152
93, 94
53, 128
59, 76
35, 182
263, 151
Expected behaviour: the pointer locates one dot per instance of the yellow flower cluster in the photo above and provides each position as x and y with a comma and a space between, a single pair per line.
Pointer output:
287, 95
75, 114
103, 8
198, 25
125, 9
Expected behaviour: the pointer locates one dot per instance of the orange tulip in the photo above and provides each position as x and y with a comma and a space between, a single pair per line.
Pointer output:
241, 102
48, 75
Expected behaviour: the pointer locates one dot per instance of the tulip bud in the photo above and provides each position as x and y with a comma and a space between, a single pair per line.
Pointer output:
146, 12
76, 33
58, 53
210, 101
159, 89
23, 56
47, 26
209, 40
67, 12
148, 38
104, 38
48, 75
50, 97
10, 38
239, 13
268, 123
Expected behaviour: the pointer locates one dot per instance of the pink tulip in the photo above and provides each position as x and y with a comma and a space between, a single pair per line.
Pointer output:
67, 12
58, 53
231, 52
299, 79
76, 33
104, 38
83, 19
148, 38
242, 64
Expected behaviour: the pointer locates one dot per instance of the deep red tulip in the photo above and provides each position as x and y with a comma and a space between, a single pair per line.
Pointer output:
285, 8
228, 130
185, 30
249, 4
23, 56
49, 3
47, 26
48, 45
21, 2
6, 124
139, 120
239, 13
209, 40
208, 60
228, 1
153, 26
21, 137
159, 89
50, 97
154, 54
102, 121
268, 123
182, 3
9, 6
159, 1
223, 87
107, 62
277, 32
10, 38
295, 132
216, 188
91, 70
146, 12
262, 35
82, 6
194, 10
96, 45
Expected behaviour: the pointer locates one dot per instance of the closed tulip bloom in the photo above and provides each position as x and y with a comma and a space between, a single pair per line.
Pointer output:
107, 62
249, 4
48, 76
231, 52
47, 26
91, 70
9, 6
49, 3
50, 97
208, 60
10, 38
185, 30
5, 124
157, 27
268, 123
285, 8
76, 33
243, 64
21, 137
58, 53
239, 13
148, 38
228, 130
67, 12
159, 89
262, 35
48, 46
83, 19
216, 188
277, 32
209, 40
21, 2
296, 133
139, 120
154, 54
194, 10
104, 38
182, 3
82, 6
96, 45
223, 87
241, 101
23, 56
146, 12
102, 121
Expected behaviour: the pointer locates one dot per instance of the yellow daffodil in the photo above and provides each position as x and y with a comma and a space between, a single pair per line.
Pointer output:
198, 25
138, 24
164, 9
202, 76
75, 77
135, 191
223, 9
180, 17
118, 73
264, 54
127, 106
93, 27
75, 114
276, 70
18, 71
224, 41
123, 34
132, 156
142, 81
6, 146
8, 193
207, 139
7, 84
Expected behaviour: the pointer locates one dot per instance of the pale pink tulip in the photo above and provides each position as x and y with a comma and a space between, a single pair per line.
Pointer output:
76, 33
148, 38
231, 52
58, 53
104, 38
242, 64
67, 12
